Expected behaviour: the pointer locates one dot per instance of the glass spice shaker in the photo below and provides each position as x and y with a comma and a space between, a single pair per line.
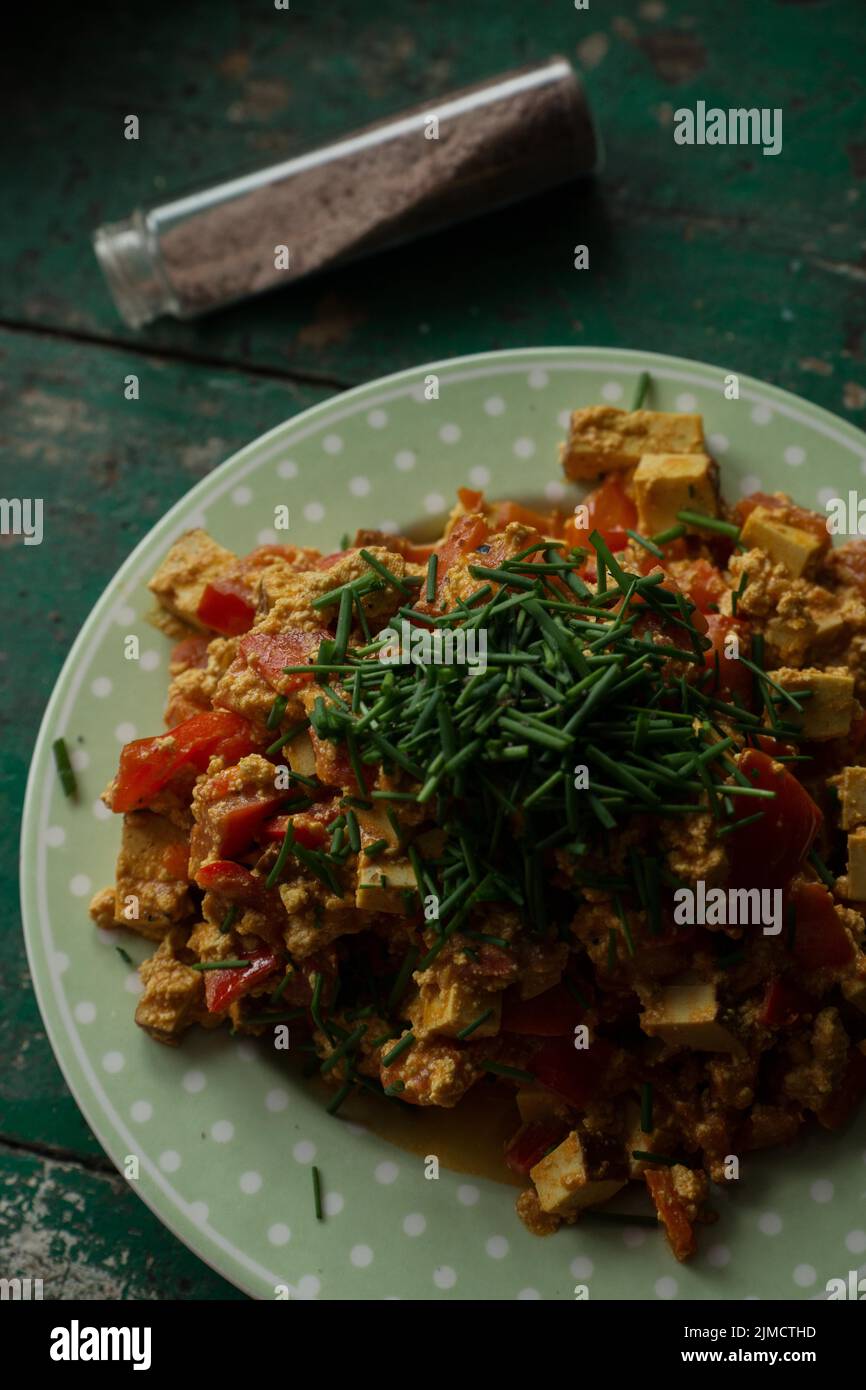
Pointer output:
472, 152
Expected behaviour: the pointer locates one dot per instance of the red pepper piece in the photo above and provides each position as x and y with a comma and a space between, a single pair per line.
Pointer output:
269, 653
783, 1004
575, 1074
227, 607
768, 852
671, 1211
230, 880
552, 1014
730, 676
611, 513
148, 765
819, 937
223, 987
531, 1142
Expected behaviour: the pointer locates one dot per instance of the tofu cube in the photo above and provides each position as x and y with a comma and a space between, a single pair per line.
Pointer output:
857, 865
152, 866
602, 438
852, 794
665, 484
300, 755
828, 710
830, 627
786, 545
854, 990
582, 1171
385, 884
686, 1015
189, 566
447, 1006
537, 1103
789, 639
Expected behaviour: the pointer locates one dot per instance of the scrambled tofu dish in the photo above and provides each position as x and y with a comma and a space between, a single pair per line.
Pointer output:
570, 806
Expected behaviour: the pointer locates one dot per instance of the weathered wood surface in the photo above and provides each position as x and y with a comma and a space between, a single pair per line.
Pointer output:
716, 253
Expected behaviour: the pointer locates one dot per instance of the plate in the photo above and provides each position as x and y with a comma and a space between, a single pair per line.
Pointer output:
225, 1136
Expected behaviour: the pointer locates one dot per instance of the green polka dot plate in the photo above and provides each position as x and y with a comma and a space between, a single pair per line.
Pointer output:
225, 1134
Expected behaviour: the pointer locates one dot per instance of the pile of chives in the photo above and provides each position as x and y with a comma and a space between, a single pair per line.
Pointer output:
615, 681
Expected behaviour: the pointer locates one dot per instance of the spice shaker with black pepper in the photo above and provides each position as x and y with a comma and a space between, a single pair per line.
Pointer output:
473, 151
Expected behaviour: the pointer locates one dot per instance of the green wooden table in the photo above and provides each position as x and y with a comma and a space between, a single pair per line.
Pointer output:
715, 253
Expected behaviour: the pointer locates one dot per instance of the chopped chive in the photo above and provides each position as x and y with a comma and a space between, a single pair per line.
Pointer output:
220, 965
64, 768
229, 920
344, 622
476, 1023
644, 1157
515, 1073
640, 391
385, 573
124, 955
277, 710
710, 523
821, 869
317, 1194
342, 1048
341, 1095
280, 861
646, 1108
400, 1047
286, 737
432, 567
673, 533
354, 832
647, 544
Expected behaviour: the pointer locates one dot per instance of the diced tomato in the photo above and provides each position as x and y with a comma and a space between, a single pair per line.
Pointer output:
796, 516
552, 1014
239, 818
334, 766
148, 765
309, 825
190, 653
531, 1142
819, 937
857, 733
671, 1210
467, 533
471, 500
575, 1074
730, 676
327, 562
703, 583
768, 852
416, 554
783, 1004
223, 987
611, 513
306, 830
547, 523
230, 880
852, 1090
227, 607
774, 747
293, 555
269, 653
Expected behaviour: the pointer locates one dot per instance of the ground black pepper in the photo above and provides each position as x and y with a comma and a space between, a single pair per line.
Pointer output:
473, 151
